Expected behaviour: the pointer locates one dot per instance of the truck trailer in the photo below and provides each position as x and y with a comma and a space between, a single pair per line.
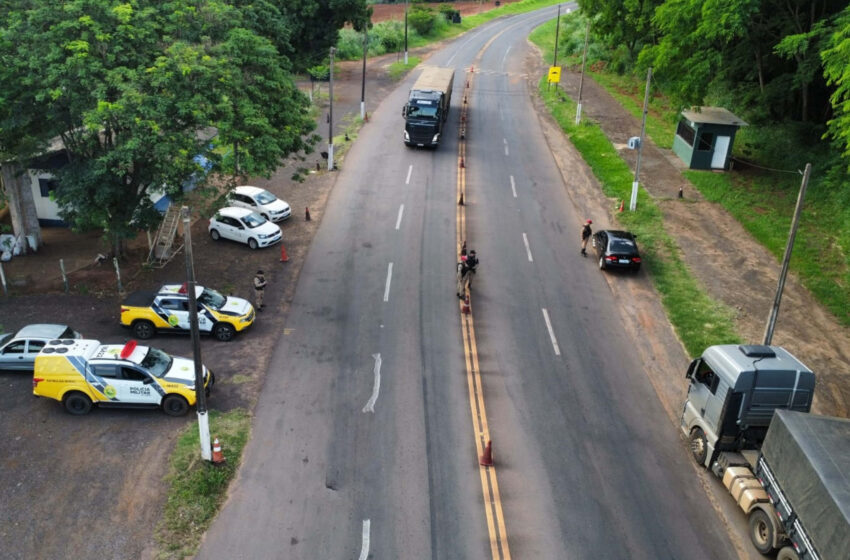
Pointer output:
747, 420
427, 107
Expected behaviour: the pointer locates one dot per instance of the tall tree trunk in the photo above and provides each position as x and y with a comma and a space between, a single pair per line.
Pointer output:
760, 70
18, 185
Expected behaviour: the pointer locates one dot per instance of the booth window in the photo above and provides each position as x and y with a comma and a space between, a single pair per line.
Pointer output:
706, 139
46, 186
685, 132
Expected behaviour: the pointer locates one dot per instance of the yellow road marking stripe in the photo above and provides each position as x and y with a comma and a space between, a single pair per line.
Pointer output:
489, 483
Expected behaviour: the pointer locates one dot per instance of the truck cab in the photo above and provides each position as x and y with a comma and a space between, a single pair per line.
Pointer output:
733, 392
424, 118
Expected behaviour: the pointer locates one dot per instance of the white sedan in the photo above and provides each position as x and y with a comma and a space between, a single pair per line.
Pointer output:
260, 201
244, 226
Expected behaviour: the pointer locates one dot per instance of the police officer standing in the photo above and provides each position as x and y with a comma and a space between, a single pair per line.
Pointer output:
259, 286
586, 232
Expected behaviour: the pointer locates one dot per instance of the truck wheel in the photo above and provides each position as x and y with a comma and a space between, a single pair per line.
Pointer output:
787, 553
699, 446
761, 531
143, 329
174, 405
223, 332
77, 403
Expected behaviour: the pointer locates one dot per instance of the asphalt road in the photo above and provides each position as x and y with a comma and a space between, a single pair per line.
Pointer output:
363, 443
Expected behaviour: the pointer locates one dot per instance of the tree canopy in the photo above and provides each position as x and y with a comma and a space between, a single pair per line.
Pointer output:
137, 90
769, 59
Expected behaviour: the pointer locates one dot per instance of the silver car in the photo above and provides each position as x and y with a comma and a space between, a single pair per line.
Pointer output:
18, 351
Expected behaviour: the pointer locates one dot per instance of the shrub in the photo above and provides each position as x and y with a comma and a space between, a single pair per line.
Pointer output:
422, 20
389, 34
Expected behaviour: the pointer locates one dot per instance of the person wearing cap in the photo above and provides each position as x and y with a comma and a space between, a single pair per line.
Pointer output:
586, 232
259, 286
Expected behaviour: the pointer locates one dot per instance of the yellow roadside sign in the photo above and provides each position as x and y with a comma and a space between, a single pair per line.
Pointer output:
554, 74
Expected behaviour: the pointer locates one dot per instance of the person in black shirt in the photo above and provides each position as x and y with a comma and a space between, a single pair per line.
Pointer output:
586, 232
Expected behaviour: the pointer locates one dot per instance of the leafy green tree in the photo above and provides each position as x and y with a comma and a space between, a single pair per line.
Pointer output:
134, 91
836, 62
625, 23
314, 27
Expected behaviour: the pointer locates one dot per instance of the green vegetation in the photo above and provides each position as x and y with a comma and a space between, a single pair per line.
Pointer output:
399, 69
425, 26
698, 320
199, 488
760, 199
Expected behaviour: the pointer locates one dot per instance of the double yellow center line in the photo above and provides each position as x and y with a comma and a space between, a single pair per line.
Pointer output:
489, 483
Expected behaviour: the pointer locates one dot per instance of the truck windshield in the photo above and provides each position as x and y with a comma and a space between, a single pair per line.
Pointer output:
422, 111
212, 298
157, 362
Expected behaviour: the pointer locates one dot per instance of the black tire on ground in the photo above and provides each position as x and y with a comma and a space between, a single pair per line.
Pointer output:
252, 243
143, 329
175, 405
601, 263
787, 553
761, 531
77, 403
699, 446
215, 235
223, 332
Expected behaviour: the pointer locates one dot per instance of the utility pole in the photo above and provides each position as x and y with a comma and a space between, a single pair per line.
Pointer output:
363, 83
774, 311
331, 114
581, 78
200, 394
405, 32
557, 29
633, 201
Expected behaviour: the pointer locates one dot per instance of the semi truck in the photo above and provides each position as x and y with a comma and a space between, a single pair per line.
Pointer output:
748, 422
427, 107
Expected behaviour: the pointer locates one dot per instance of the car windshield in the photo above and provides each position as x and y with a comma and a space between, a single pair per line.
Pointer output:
265, 197
69, 333
157, 362
622, 246
211, 298
422, 111
253, 220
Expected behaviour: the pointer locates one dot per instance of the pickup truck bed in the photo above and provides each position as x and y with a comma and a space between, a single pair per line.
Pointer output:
139, 299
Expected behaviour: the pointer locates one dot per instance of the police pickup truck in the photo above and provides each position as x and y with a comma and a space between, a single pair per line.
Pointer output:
168, 310
80, 373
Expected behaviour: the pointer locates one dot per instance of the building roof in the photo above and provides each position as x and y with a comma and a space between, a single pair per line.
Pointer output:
713, 115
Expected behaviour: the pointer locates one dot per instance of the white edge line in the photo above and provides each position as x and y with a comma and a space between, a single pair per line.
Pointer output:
507, 153
513, 186
505, 56
409, 173
527, 247
400, 214
551, 332
364, 547
389, 280
376, 386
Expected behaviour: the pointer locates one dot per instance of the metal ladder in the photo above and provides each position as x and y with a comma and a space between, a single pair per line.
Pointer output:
162, 248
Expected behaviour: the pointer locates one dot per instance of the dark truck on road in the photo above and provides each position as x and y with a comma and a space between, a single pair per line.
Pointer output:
428, 107
747, 421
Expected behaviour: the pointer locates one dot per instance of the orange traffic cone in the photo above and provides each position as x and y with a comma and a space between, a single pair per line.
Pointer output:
486, 459
217, 455
465, 308
307, 214
622, 205
460, 202
461, 162
283, 256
